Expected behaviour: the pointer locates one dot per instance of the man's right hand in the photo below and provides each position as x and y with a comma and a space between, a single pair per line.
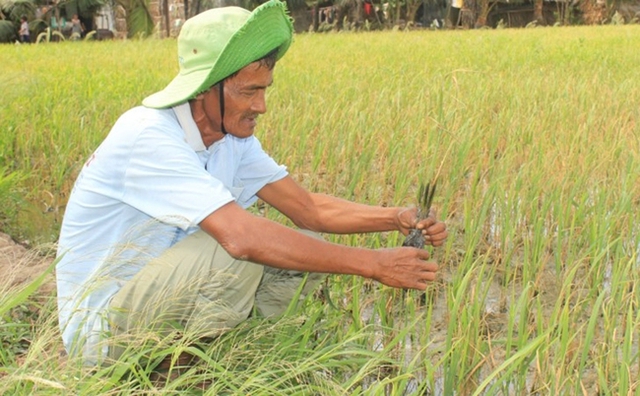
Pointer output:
404, 268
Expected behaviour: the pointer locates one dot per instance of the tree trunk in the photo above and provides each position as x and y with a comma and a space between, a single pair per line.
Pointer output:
314, 17
483, 14
537, 12
165, 13
467, 14
56, 12
412, 9
339, 14
359, 13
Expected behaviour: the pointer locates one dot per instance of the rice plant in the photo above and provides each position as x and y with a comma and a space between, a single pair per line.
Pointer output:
534, 137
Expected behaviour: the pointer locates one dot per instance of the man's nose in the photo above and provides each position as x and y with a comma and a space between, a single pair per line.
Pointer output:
259, 104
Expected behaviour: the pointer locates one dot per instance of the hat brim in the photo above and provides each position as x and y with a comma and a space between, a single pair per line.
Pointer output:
176, 91
267, 28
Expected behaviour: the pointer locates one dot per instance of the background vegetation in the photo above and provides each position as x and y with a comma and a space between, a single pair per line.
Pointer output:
534, 133
49, 19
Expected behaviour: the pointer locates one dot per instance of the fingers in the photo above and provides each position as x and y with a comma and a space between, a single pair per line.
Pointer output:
423, 254
435, 227
426, 223
435, 232
406, 219
436, 235
424, 277
429, 272
436, 240
406, 268
429, 221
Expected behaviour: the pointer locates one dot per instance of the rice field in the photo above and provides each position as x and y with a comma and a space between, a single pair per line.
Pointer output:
533, 134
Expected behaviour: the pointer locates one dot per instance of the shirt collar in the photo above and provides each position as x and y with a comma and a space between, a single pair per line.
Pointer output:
191, 132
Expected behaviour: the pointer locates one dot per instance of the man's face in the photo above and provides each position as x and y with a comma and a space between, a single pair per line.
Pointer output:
244, 100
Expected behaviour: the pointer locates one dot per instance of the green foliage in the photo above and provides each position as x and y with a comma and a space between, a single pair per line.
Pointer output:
9, 196
15, 316
84, 8
11, 11
16, 9
533, 130
15, 298
139, 20
8, 31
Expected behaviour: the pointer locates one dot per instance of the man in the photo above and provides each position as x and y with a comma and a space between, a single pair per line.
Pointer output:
156, 235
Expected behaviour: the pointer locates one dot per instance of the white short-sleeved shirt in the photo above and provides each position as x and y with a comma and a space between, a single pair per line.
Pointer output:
148, 185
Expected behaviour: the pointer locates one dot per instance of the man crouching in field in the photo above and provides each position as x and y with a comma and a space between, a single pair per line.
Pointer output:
156, 235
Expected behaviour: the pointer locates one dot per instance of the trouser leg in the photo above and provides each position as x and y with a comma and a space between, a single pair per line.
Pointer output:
197, 285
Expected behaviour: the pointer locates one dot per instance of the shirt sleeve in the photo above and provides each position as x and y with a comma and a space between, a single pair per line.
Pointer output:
256, 170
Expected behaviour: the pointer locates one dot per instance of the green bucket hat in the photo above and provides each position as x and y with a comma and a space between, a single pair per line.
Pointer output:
217, 43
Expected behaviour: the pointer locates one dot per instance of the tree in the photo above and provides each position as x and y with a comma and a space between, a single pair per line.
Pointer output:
484, 8
412, 8
13, 10
538, 6
138, 17
7, 31
468, 14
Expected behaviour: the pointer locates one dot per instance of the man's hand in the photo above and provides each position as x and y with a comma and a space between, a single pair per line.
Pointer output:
434, 231
405, 268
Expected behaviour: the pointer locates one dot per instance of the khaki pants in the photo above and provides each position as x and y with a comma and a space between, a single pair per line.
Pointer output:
197, 287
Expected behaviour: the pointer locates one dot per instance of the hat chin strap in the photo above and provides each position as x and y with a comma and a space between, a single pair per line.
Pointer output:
224, 131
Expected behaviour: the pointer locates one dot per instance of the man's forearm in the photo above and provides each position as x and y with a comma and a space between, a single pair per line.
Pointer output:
256, 239
263, 241
339, 216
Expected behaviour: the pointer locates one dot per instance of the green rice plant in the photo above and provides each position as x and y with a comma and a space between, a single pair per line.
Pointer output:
12, 298
533, 134
524, 355
9, 193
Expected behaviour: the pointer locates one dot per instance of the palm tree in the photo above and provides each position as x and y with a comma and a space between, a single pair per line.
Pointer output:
13, 10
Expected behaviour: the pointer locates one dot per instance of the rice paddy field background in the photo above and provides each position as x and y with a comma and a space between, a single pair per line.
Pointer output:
533, 134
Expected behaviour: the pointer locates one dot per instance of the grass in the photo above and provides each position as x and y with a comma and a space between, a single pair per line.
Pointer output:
535, 133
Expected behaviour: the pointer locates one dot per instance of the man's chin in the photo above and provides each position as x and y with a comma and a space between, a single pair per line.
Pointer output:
245, 133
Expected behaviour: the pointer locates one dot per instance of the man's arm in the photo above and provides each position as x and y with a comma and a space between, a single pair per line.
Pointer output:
324, 213
252, 238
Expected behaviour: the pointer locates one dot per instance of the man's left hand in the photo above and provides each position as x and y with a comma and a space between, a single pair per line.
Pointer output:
434, 231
